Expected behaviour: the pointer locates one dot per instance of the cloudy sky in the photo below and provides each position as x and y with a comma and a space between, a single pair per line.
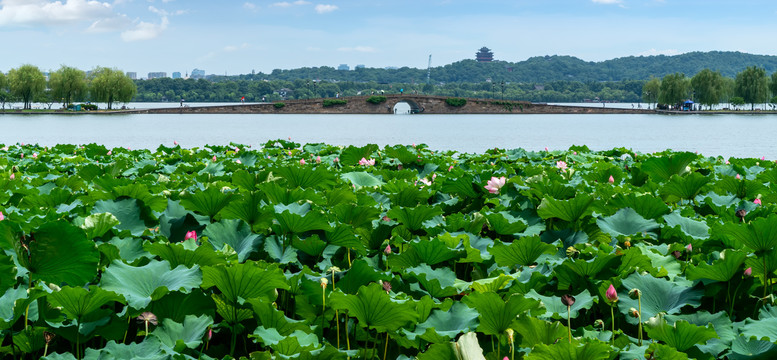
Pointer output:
236, 37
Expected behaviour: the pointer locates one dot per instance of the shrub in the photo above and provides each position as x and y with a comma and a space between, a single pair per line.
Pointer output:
333, 102
457, 102
279, 105
376, 99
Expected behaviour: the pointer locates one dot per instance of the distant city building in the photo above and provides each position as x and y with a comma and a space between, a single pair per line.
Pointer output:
343, 67
132, 75
360, 66
176, 75
198, 74
484, 55
391, 68
156, 75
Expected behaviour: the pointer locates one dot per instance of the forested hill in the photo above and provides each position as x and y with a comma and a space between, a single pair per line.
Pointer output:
542, 69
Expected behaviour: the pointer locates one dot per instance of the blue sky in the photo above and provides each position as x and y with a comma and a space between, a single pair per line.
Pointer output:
236, 37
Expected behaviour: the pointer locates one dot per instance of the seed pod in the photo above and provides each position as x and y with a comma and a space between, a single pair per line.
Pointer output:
568, 300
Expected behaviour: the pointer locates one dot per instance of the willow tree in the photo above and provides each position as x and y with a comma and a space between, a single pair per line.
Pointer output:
68, 84
111, 85
5, 92
26, 82
707, 87
650, 91
752, 85
674, 89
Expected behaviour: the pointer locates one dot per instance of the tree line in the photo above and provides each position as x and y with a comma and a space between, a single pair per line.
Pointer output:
27, 84
749, 86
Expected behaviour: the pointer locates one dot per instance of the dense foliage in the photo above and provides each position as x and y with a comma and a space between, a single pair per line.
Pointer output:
325, 252
456, 102
376, 99
333, 102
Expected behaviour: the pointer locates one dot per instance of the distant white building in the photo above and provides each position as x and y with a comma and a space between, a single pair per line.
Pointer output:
176, 75
343, 67
198, 74
360, 66
156, 75
132, 75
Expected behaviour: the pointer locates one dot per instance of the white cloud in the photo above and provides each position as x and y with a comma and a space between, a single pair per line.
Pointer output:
281, 4
361, 49
31, 12
301, 2
608, 2
250, 6
111, 24
231, 48
145, 31
323, 9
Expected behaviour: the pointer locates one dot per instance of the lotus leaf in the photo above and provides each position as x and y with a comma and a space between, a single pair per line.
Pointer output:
186, 253
140, 285
249, 280
682, 336
662, 168
595, 350
658, 295
692, 228
235, 233
724, 269
684, 187
555, 309
414, 218
523, 251
208, 202
496, 314
752, 349
374, 308
534, 331
361, 179
61, 253
82, 305
442, 326
626, 222
760, 235
567, 210
178, 336
126, 211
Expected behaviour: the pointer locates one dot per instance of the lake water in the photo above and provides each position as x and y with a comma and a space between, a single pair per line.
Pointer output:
711, 135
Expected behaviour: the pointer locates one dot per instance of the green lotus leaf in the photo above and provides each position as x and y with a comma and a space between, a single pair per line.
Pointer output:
244, 281
462, 186
374, 308
634, 352
634, 260
8, 304
438, 283
572, 271
493, 284
744, 348
232, 313
129, 249
763, 328
461, 243
272, 318
662, 168
356, 215
7, 272
126, 211
684, 187
594, 350
414, 218
524, 251
248, 181
148, 349
176, 221
551, 188
649, 207
360, 274
658, 295
721, 270
405, 154
305, 176
84, 305
208, 202
248, 208
760, 235
568, 210
140, 285
277, 194
724, 328
61, 253
768, 259
141, 193
179, 336
661, 351
177, 305
626, 222
444, 351
312, 245
298, 219
505, 224
342, 235
555, 309
442, 326
360, 179
235, 233
533, 331
496, 314
682, 335
186, 253
692, 228
723, 201
743, 189
435, 251
296, 343
278, 252
352, 154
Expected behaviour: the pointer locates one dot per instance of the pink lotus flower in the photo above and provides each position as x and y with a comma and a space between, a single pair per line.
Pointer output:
238, 161
562, 165
574, 153
318, 159
2, 217
546, 148
495, 184
426, 182
12, 176
214, 158
611, 294
611, 180
5, 148
450, 168
757, 201
22, 155
689, 247
34, 155
387, 250
749, 271
190, 235
175, 143
763, 158
110, 153
302, 161
365, 162
289, 152
337, 159
727, 162
738, 177
210, 334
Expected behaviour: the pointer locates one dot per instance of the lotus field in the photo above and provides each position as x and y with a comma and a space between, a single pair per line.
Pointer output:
327, 252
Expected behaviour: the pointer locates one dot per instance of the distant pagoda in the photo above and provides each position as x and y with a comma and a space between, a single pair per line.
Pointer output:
484, 55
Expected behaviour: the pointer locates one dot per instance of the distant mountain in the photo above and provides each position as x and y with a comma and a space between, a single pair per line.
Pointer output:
543, 69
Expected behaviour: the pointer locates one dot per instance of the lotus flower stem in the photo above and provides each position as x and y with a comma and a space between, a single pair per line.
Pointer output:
26, 316
123, 341
337, 314
612, 316
45, 349
348, 251
569, 323
385, 347
639, 304
347, 339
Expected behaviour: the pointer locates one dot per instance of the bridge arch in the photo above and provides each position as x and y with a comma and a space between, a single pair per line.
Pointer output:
414, 107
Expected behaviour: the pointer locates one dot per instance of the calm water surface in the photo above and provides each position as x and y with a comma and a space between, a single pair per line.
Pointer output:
712, 135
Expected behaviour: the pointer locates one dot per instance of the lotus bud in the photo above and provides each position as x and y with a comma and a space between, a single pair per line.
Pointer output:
190, 235
738, 177
655, 321
611, 180
110, 152
599, 323
757, 201
749, 272
175, 143
635, 293
611, 294
302, 161
567, 300
318, 159
214, 158
510, 335
386, 286
12, 176
48, 336
210, 333
2, 217
387, 250
633, 313
689, 247
323, 282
